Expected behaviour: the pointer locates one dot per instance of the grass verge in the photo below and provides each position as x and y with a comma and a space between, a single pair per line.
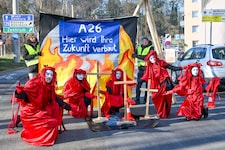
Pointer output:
7, 63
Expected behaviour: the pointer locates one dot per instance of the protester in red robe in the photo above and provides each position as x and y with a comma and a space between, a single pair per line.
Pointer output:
114, 95
77, 92
191, 85
41, 113
159, 77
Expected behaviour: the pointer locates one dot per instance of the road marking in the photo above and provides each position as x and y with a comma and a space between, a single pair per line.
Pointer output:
8, 77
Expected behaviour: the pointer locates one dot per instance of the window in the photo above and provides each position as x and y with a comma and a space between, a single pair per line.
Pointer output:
188, 54
199, 53
219, 53
194, 14
194, 28
194, 1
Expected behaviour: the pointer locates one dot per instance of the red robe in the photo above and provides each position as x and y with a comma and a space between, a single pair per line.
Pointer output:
74, 91
114, 98
193, 104
192, 88
157, 74
41, 116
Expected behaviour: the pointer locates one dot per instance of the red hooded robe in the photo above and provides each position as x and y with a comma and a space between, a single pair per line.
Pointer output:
115, 98
74, 91
157, 73
192, 88
41, 116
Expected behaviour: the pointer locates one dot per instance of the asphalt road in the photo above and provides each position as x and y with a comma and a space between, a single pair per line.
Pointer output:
173, 133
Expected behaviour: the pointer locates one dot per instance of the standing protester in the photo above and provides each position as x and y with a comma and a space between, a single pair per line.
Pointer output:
41, 112
77, 93
156, 71
30, 52
140, 53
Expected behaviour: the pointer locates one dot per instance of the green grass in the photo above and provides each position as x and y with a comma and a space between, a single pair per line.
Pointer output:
7, 63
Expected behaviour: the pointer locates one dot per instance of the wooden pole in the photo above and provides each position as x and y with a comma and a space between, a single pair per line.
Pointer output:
152, 27
138, 8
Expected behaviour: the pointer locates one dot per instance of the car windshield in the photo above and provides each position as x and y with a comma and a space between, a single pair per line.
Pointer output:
195, 53
199, 53
219, 53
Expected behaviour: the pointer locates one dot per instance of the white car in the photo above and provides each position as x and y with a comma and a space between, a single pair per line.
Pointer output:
212, 58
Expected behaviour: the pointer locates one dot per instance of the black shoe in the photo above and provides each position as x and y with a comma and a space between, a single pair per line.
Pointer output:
187, 119
18, 120
205, 113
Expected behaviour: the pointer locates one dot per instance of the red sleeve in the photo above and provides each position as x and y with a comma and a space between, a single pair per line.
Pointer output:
85, 85
67, 89
33, 90
163, 63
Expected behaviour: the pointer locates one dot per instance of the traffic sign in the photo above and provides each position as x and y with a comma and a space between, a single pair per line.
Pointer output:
18, 23
213, 15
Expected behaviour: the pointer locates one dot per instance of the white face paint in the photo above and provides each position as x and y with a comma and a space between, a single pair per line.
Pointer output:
152, 59
48, 76
80, 77
118, 75
194, 71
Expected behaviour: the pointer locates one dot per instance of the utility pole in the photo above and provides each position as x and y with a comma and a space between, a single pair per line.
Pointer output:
72, 11
16, 36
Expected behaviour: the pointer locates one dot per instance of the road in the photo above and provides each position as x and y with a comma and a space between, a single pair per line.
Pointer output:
9, 79
173, 133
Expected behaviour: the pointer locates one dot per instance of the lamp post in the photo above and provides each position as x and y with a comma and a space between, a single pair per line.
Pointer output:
15, 36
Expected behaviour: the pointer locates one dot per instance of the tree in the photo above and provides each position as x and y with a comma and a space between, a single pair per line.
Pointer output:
160, 16
113, 7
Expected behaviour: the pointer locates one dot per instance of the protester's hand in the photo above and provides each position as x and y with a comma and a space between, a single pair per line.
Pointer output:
168, 92
19, 88
23, 96
134, 55
39, 54
67, 106
89, 95
184, 67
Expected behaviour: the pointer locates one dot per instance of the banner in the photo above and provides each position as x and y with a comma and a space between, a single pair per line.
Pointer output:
69, 43
89, 37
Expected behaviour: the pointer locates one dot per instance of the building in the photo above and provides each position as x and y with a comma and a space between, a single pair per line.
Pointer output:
198, 32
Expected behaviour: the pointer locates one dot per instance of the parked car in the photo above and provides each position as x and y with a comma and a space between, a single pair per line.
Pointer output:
212, 58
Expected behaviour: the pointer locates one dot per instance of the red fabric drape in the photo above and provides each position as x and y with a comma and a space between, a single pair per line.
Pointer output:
157, 74
42, 115
192, 88
74, 92
115, 97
